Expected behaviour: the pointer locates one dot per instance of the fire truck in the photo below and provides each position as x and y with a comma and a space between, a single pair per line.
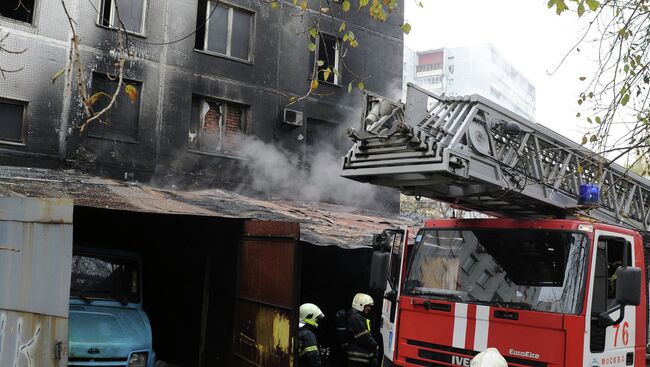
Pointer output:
556, 272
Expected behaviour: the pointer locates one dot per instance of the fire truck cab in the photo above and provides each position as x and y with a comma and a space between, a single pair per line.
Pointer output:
555, 275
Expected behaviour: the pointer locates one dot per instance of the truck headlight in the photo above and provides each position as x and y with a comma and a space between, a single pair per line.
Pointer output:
138, 359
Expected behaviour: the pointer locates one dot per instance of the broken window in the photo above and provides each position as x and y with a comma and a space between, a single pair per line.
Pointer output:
123, 13
11, 121
122, 119
21, 10
227, 31
327, 58
216, 125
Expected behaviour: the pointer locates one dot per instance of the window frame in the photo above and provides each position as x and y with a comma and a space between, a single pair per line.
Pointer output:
244, 127
114, 136
337, 52
31, 23
23, 125
206, 31
111, 17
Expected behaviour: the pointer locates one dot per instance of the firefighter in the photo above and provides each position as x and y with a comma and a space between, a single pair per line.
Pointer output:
362, 348
308, 353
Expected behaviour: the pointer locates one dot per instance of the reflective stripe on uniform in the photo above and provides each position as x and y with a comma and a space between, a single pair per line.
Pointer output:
368, 324
361, 334
310, 349
359, 354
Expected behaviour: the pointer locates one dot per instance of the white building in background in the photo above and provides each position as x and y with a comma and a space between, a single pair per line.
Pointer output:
472, 70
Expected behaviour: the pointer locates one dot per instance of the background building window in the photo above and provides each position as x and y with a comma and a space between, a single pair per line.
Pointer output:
132, 13
122, 120
328, 53
11, 121
216, 126
227, 32
21, 10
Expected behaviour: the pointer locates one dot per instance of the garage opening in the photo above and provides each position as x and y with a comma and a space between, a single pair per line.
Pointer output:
188, 276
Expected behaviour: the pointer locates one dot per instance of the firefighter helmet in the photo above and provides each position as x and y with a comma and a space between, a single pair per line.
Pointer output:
361, 300
309, 314
489, 358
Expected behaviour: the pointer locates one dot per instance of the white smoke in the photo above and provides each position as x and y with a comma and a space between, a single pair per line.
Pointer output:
279, 174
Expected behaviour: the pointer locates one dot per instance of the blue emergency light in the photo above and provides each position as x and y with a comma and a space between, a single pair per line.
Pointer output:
589, 194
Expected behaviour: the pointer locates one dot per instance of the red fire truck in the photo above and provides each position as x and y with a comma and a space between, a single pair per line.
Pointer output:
554, 275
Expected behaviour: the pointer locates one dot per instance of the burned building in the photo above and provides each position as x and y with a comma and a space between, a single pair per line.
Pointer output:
206, 74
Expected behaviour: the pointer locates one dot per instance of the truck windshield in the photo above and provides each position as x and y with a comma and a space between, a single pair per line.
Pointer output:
105, 277
518, 268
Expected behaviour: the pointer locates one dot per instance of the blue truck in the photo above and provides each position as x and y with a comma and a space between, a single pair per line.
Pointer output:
107, 324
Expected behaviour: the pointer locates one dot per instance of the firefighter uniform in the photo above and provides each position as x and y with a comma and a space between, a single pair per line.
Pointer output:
308, 347
308, 353
362, 349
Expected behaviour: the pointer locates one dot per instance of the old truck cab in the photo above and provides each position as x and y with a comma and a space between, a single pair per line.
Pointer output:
107, 325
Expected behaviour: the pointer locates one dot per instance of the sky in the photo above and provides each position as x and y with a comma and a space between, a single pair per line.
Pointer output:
527, 34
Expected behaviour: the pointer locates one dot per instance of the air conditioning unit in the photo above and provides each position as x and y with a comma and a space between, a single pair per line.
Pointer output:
292, 117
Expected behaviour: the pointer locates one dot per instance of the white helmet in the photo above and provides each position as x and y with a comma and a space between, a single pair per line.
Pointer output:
361, 300
309, 314
489, 358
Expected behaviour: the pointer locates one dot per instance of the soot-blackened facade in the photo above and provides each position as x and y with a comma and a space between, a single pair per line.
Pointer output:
200, 86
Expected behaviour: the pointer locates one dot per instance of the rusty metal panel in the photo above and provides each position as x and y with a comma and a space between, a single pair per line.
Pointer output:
265, 319
35, 257
262, 335
266, 271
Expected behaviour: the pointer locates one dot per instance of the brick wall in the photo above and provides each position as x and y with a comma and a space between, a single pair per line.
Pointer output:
232, 129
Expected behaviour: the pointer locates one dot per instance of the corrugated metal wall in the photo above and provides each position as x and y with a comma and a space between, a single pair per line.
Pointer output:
35, 256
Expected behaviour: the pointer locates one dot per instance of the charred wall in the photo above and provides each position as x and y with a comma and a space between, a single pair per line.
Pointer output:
172, 75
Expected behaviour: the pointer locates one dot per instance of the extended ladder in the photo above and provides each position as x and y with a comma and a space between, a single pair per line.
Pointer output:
478, 155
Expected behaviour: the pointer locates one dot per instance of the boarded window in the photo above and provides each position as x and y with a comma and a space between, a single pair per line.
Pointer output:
21, 10
216, 125
227, 31
124, 13
328, 55
122, 120
11, 121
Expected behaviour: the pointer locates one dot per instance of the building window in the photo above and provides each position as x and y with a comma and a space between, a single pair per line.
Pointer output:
216, 126
21, 10
131, 14
328, 54
228, 30
122, 119
428, 67
469, 263
483, 279
12, 121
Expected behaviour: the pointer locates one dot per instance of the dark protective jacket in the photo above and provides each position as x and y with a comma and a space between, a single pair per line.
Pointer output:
308, 347
362, 349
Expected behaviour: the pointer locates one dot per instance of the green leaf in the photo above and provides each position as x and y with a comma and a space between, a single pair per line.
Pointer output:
578, 114
581, 9
345, 6
582, 78
361, 86
320, 62
406, 28
349, 87
598, 120
584, 140
363, 3
336, 72
579, 168
58, 75
303, 5
625, 99
560, 6
313, 32
326, 73
274, 5
593, 4
342, 27
421, 5
312, 46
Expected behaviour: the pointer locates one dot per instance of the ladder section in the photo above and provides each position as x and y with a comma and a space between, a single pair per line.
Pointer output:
473, 153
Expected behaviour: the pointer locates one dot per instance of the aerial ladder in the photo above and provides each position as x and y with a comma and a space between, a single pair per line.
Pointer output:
468, 284
472, 153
